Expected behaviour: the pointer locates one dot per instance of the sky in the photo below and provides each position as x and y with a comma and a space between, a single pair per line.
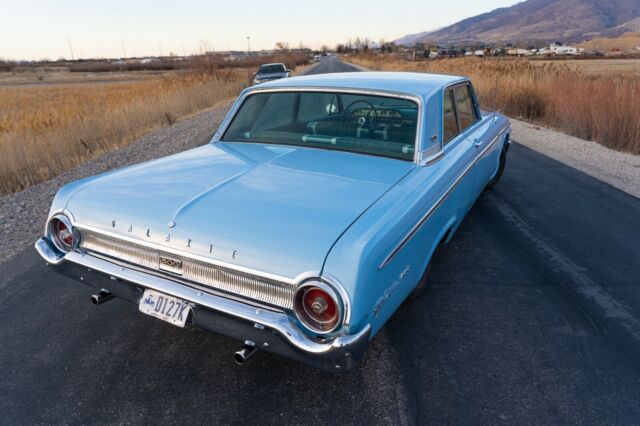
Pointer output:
37, 29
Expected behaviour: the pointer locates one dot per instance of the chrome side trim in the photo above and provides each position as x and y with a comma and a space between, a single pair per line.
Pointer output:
279, 322
389, 94
414, 230
427, 161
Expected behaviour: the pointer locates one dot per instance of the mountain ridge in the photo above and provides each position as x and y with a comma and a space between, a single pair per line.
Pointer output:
539, 20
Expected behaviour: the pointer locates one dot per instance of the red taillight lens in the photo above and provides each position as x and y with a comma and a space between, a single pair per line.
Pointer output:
61, 233
317, 308
64, 233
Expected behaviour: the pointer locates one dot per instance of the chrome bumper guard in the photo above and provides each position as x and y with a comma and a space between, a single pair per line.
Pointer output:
271, 331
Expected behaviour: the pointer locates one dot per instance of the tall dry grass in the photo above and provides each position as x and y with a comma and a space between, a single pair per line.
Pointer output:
602, 106
46, 129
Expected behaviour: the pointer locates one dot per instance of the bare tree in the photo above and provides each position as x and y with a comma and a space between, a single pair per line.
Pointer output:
282, 46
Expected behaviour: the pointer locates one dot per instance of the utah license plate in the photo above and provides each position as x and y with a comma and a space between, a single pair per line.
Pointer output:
165, 307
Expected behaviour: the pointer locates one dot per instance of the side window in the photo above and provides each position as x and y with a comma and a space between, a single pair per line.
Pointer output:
464, 105
451, 129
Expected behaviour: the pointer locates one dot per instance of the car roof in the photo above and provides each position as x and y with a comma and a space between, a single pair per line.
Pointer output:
274, 63
420, 84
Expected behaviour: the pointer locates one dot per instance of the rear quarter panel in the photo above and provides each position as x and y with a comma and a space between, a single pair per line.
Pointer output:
355, 260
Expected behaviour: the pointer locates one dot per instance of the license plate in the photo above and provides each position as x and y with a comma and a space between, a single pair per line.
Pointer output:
164, 307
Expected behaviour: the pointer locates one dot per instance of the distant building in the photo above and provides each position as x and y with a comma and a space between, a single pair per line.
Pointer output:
518, 52
560, 49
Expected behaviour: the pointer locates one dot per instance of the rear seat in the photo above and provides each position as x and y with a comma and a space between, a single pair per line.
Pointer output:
338, 128
388, 132
364, 144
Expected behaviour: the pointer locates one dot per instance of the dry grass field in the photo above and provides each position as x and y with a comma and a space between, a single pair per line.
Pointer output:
48, 128
596, 100
55, 117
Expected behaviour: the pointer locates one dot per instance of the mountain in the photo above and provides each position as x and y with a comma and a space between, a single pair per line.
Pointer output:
541, 20
411, 39
626, 43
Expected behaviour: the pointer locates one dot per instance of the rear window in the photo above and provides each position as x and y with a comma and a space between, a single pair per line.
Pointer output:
365, 124
271, 69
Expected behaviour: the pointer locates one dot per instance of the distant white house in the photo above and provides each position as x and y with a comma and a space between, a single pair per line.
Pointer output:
478, 53
560, 49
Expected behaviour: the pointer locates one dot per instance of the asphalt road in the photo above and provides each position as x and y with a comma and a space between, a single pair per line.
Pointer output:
532, 315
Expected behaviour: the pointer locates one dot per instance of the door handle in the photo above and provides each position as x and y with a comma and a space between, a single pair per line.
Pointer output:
477, 143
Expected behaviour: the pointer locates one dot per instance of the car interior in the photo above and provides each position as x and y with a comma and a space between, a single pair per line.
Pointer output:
374, 125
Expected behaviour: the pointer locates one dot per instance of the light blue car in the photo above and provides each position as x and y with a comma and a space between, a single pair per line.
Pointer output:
303, 226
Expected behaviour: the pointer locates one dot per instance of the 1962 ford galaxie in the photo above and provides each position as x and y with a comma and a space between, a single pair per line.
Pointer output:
304, 224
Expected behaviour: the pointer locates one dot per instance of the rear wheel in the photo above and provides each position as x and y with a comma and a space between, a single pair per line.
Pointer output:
503, 161
417, 291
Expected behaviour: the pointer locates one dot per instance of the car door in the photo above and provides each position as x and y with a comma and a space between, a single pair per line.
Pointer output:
458, 154
475, 132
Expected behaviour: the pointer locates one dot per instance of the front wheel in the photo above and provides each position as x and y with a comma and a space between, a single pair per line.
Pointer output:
503, 161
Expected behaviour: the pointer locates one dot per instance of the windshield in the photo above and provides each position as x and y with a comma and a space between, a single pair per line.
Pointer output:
374, 125
271, 69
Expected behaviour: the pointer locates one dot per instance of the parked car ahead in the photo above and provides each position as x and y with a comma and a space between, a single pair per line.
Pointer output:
303, 226
270, 72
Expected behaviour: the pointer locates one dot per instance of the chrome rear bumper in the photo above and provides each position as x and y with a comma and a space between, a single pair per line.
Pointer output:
271, 331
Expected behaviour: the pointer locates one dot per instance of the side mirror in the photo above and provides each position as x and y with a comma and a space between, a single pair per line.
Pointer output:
288, 70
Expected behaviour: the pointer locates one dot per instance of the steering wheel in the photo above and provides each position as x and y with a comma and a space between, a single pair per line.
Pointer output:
373, 114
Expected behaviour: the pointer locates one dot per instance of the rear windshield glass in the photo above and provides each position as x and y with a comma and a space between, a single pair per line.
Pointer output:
271, 69
374, 125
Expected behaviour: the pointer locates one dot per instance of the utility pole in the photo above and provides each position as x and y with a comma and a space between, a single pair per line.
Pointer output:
248, 45
70, 48
124, 51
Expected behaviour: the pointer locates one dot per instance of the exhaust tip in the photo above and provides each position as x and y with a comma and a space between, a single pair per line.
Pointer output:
244, 354
101, 297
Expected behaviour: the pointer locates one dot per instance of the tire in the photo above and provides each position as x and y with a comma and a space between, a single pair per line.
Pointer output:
503, 162
419, 289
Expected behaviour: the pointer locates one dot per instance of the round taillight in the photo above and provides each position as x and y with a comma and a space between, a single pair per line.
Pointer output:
61, 233
317, 307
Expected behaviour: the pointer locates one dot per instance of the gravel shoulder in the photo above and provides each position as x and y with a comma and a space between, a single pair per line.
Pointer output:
618, 169
23, 214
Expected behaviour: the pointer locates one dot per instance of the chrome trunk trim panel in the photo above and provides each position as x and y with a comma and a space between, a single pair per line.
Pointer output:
260, 289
